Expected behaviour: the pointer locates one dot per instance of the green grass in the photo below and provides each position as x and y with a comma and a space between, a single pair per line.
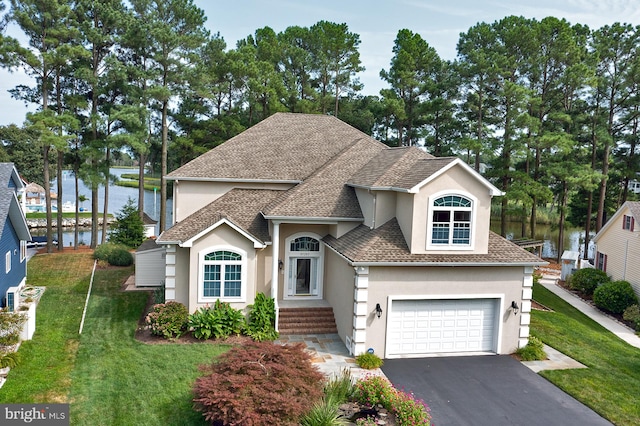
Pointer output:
108, 377
611, 382
130, 180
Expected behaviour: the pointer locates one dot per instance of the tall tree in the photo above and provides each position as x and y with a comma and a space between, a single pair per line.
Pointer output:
337, 61
52, 42
177, 31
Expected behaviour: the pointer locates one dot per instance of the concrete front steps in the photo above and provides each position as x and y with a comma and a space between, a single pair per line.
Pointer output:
307, 320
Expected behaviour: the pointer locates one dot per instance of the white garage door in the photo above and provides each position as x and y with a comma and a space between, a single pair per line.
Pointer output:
441, 326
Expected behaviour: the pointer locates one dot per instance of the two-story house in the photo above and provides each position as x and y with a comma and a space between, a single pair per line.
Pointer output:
14, 232
313, 212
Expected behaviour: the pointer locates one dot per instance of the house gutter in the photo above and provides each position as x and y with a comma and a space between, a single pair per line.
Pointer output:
204, 179
447, 264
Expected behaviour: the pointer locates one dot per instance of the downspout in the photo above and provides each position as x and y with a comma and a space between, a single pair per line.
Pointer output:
373, 217
275, 252
626, 254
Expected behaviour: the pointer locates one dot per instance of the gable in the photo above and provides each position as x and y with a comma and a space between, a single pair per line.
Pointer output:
631, 208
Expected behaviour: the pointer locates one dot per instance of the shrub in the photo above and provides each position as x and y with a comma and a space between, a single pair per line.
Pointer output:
533, 351
259, 383
586, 280
168, 320
374, 390
103, 251
615, 296
632, 314
120, 257
339, 388
369, 361
9, 359
219, 321
10, 327
261, 321
323, 413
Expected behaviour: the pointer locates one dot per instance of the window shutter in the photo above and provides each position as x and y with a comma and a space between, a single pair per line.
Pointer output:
633, 222
604, 267
597, 259
624, 221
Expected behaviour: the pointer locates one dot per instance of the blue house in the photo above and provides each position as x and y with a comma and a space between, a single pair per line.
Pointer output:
14, 232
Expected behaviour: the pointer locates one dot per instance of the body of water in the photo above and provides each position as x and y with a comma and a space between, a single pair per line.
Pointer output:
118, 197
573, 238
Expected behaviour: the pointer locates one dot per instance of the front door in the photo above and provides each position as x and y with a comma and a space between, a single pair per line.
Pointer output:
304, 267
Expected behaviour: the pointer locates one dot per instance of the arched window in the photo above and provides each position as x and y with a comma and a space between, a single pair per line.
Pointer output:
451, 221
222, 275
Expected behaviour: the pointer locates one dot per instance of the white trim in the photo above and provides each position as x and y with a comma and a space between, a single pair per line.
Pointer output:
7, 262
287, 292
189, 243
312, 220
243, 275
474, 215
497, 343
493, 191
239, 180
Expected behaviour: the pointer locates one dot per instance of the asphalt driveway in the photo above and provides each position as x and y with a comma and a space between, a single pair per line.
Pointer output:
487, 390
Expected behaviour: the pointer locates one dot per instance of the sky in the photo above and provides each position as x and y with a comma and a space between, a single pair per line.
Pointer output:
377, 22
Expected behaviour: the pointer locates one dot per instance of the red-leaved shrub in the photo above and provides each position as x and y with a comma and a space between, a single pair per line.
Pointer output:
259, 383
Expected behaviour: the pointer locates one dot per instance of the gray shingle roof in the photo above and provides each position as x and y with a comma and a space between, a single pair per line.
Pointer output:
634, 208
6, 193
387, 244
324, 194
148, 244
239, 206
283, 147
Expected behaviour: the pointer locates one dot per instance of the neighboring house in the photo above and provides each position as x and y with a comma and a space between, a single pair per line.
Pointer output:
14, 232
150, 264
618, 245
149, 225
313, 212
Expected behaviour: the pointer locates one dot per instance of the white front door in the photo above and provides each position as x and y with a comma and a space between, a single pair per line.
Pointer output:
303, 267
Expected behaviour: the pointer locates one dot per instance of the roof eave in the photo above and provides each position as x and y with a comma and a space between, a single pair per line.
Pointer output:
311, 220
493, 190
483, 264
380, 188
231, 180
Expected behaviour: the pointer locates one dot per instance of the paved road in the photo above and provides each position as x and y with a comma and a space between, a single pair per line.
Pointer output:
487, 390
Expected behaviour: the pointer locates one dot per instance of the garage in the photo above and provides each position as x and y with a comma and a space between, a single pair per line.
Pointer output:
424, 327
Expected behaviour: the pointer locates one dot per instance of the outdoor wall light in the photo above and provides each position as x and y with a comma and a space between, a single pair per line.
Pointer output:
280, 264
378, 310
515, 307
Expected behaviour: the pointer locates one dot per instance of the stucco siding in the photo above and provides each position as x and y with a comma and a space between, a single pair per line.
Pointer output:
385, 207
365, 199
404, 215
338, 291
456, 180
191, 196
445, 283
223, 238
182, 289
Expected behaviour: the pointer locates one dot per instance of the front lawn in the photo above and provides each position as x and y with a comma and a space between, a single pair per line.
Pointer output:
108, 377
611, 384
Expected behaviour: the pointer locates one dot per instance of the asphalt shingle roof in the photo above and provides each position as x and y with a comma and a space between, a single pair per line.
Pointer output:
387, 244
324, 194
239, 206
283, 147
634, 208
6, 193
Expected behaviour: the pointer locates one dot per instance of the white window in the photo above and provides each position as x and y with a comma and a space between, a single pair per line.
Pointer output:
23, 250
7, 262
450, 221
223, 275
